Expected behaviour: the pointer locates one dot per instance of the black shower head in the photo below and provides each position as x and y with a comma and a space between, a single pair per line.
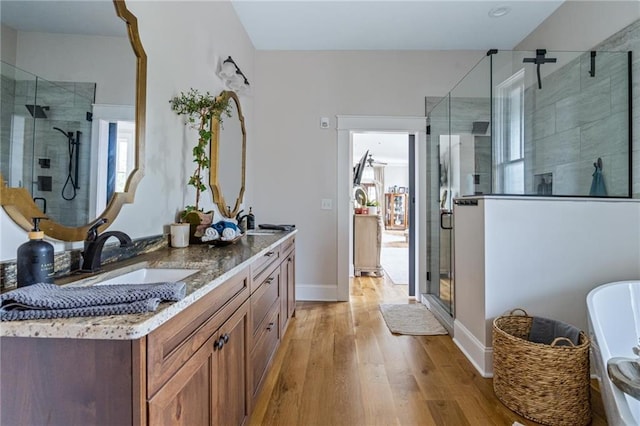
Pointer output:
67, 134
479, 127
37, 111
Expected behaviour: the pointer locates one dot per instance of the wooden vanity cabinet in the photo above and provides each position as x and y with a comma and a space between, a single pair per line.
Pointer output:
204, 366
210, 388
272, 304
198, 362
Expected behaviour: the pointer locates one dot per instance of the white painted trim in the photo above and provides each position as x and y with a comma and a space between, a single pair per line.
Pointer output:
479, 355
316, 292
346, 125
381, 123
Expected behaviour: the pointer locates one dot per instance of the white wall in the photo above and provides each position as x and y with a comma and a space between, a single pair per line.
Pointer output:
184, 42
293, 164
396, 175
543, 255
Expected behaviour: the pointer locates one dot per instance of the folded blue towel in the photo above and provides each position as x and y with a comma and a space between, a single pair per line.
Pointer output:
51, 301
545, 331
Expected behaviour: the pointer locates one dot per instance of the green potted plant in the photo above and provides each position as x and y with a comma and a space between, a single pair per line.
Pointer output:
372, 205
199, 110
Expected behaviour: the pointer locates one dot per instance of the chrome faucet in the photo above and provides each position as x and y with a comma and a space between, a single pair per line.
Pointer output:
94, 244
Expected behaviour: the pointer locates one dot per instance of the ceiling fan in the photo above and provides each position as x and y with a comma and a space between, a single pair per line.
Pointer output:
371, 161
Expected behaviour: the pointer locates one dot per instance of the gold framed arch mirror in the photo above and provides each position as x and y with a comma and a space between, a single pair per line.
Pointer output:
228, 158
39, 174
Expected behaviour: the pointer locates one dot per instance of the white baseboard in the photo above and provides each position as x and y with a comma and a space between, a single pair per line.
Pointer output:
479, 355
316, 292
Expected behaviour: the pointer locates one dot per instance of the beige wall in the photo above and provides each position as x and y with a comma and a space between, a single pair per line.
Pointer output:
292, 161
581, 25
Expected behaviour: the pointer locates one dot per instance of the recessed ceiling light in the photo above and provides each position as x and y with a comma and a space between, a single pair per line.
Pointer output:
499, 11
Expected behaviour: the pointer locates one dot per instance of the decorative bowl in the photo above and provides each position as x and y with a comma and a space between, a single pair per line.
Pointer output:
222, 243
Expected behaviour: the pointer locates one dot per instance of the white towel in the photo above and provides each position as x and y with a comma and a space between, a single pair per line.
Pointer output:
228, 234
210, 234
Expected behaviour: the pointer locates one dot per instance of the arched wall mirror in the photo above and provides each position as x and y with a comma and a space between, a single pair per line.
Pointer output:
71, 145
228, 157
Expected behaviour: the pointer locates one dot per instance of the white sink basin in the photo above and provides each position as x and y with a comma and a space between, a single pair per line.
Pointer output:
150, 275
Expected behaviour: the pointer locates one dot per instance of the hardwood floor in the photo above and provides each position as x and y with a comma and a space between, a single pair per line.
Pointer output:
338, 364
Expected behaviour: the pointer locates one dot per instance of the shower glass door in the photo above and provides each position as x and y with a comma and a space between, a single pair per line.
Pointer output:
460, 164
439, 207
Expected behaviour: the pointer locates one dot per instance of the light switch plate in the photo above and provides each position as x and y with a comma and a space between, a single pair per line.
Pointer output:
324, 122
327, 204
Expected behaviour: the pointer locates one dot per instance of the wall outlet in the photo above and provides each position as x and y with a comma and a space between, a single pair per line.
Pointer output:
327, 204
324, 122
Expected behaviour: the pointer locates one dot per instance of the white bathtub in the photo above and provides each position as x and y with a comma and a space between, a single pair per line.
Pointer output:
614, 328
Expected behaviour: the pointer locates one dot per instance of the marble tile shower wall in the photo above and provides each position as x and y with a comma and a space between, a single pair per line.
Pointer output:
575, 119
68, 103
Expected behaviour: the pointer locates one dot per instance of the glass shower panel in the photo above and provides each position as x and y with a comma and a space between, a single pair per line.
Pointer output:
45, 142
18, 89
439, 201
465, 159
561, 123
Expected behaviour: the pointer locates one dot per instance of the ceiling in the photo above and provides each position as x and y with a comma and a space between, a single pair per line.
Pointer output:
390, 24
389, 148
63, 17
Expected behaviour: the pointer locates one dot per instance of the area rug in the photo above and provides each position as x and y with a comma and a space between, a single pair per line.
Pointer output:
395, 262
413, 319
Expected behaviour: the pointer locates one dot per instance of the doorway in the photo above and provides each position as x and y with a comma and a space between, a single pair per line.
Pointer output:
415, 129
385, 181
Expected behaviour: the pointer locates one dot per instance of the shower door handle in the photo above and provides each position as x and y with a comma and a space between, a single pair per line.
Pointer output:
442, 215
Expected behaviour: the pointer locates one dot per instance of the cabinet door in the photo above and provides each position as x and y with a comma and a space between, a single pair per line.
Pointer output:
290, 277
232, 373
187, 398
288, 290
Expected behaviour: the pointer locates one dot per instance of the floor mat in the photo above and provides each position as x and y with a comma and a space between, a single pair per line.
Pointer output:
413, 319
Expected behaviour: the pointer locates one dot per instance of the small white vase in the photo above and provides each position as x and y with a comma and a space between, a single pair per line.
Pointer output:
373, 210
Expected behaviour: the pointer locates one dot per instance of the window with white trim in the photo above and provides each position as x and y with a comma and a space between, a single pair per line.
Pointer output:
509, 136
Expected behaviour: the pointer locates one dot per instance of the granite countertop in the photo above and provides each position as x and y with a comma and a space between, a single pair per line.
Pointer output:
216, 265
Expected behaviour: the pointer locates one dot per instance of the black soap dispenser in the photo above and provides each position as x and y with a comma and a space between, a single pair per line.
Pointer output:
251, 219
35, 258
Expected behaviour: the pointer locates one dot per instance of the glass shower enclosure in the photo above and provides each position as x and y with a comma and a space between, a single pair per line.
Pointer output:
525, 123
45, 142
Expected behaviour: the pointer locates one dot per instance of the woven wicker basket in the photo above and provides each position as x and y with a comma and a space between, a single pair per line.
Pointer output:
548, 384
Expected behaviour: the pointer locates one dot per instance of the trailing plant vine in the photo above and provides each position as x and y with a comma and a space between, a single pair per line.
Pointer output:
199, 110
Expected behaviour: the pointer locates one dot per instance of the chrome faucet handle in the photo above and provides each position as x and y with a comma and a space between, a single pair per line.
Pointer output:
636, 349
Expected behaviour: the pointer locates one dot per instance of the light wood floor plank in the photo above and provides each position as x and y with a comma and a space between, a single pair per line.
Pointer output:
338, 364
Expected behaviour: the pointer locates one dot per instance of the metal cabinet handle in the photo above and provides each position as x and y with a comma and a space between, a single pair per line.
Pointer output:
270, 326
225, 336
270, 253
269, 280
218, 344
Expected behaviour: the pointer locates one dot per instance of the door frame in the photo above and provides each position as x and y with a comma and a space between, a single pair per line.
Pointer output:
346, 126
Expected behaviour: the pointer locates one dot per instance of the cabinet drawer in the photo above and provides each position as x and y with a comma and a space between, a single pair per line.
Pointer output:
173, 343
265, 345
263, 266
263, 298
287, 247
